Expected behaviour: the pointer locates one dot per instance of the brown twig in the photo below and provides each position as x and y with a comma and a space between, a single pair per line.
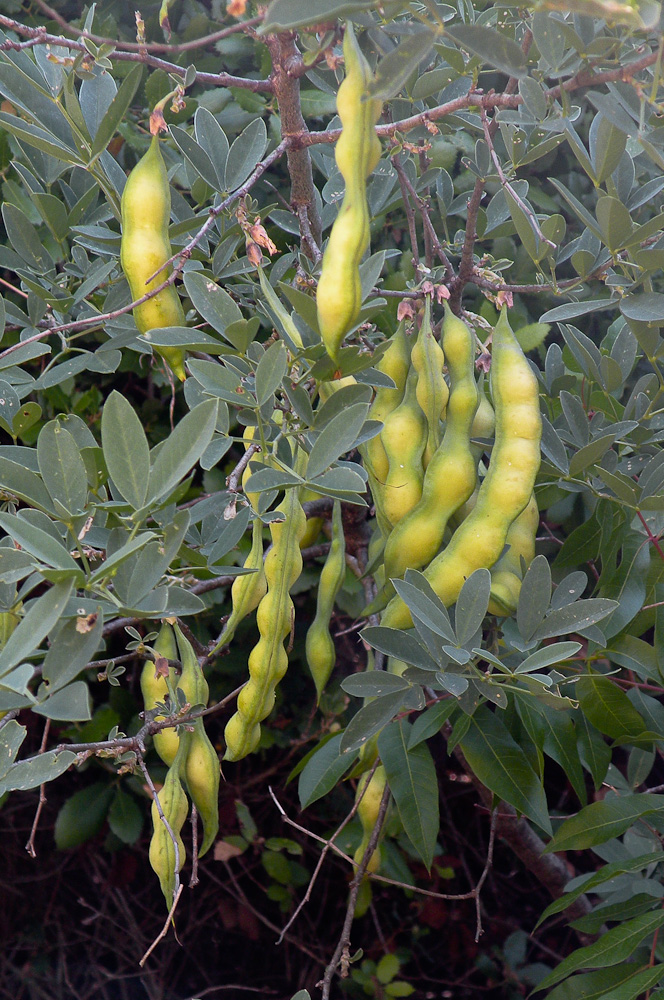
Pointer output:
174, 48
30, 846
323, 854
286, 58
341, 956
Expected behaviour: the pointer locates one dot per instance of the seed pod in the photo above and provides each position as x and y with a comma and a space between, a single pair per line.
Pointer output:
339, 293
175, 807
395, 363
249, 589
368, 810
200, 765
321, 654
450, 476
268, 660
404, 437
432, 392
508, 485
507, 573
154, 688
145, 247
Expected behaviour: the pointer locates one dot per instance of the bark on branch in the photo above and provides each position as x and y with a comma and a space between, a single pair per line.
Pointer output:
286, 60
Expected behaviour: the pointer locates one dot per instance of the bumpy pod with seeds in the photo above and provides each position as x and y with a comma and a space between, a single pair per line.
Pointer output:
321, 654
339, 294
268, 660
508, 485
145, 247
155, 689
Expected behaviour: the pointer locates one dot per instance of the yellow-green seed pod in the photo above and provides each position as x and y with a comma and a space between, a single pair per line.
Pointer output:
432, 392
507, 573
508, 485
154, 689
249, 589
200, 765
202, 774
321, 654
404, 437
339, 293
175, 807
451, 474
395, 363
368, 810
145, 247
192, 680
268, 660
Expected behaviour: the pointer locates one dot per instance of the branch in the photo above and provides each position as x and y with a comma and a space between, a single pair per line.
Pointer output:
175, 48
342, 951
286, 86
39, 36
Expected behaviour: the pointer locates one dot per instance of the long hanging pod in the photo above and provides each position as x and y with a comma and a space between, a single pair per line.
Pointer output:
339, 294
508, 485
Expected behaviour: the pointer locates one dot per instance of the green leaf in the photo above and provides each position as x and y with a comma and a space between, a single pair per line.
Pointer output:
12, 735
601, 821
614, 221
323, 771
69, 704
36, 771
593, 985
62, 468
491, 46
501, 765
24, 484
182, 449
594, 752
370, 720
636, 984
395, 68
40, 619
336, 439
373, 684
609, 147
38, 542
198, 158
212, 139
644, 308
285, 14
612, 948
126, 450
401, 645
574, 617
82, 815
548, 656
24, 239
213, 303
125, 818
69, 653
534, 598
560, 745
471, 605
417, 593
270, 371
411, 775
117, 110
38, 137
430, 722
608, 708
590, 454
105, 571
604, 874
244, 154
